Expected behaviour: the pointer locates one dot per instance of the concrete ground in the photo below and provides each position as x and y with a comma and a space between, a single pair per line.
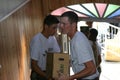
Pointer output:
110, 70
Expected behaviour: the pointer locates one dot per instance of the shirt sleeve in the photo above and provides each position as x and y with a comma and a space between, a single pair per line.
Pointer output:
83, 50
34, 49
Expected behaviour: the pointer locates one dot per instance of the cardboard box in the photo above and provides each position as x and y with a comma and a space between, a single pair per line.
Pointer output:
57, 62
65, 48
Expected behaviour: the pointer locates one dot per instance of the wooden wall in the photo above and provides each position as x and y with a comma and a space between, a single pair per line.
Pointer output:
15, 34
17, 30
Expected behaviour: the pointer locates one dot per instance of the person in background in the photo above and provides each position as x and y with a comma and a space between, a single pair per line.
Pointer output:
89, 23
42, 43
91, 34
81, 56
85, 30
96, 47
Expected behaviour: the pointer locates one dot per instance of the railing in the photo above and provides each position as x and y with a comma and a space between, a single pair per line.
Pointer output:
112, 44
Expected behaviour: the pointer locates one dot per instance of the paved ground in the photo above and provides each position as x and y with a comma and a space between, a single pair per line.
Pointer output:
110, 70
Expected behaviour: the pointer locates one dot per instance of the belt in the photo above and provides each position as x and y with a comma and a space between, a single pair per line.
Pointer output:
44, 71
35, 76
90, 79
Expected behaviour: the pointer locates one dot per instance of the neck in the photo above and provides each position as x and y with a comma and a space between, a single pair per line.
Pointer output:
72, 34
45, 34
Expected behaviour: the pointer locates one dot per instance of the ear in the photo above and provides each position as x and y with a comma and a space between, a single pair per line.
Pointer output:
74, 24
46, 26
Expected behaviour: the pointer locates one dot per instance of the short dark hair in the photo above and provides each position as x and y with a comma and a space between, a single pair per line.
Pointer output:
50, 19
73, 17
93, 34
84, 29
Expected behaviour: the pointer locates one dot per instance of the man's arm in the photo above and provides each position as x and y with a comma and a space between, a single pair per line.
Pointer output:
36, 68
99, 60
88, 70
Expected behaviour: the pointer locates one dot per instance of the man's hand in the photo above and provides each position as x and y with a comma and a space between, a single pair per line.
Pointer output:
63, 76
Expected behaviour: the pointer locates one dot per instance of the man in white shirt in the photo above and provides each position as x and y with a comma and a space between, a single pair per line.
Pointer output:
82, 58
41, 44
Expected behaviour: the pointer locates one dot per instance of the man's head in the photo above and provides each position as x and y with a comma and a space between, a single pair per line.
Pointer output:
85, 30
68, 22
50, 25
89, 23
72, 16
93, 34
50, 19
